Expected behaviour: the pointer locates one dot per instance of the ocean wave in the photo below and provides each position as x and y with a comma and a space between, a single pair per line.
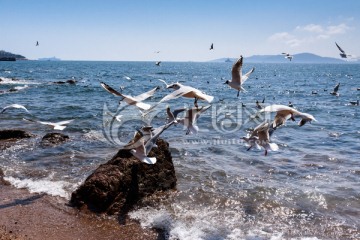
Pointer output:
8, 81
45, 185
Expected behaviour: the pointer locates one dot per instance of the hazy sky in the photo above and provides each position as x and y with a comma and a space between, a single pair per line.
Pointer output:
182, 30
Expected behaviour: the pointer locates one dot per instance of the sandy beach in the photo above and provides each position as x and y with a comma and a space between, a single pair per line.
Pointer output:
24, 215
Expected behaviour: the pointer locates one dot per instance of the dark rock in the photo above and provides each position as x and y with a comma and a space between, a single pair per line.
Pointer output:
118, 185
13, 90
9, 137
59, 82
13, 134
2, 180
71, 81
54, 139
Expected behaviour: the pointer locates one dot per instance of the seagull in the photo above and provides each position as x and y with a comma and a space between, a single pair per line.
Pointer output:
342, 52
237, 78
212, 47
288, 56
290, 104
144, 140
191, 116
283, 113
14, 106
336, 89
37, 43
137, 101
258, 105
261, 137
158, 63
356, 103
184, 91
56, 125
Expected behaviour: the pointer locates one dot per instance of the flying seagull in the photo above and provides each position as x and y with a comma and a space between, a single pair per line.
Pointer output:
342, 52
288, 56
336, 89
191, 116
237, 77
37, 43
56, 125
137, 100
183, 91
283, 113
158, 63
260, 136
212, 47
14, 106
144, 140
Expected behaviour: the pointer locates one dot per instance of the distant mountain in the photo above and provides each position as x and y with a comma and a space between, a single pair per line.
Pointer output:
8, 55
298, 58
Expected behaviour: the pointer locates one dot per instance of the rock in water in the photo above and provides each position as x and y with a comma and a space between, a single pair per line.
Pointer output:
11, 136
116, 186
53, 139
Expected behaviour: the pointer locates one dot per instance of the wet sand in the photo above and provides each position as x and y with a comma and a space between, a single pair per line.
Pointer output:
24, 215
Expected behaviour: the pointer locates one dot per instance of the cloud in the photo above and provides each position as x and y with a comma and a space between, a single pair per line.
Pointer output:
308, 34
311, 28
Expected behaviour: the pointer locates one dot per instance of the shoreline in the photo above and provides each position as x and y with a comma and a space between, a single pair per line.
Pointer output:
25, 215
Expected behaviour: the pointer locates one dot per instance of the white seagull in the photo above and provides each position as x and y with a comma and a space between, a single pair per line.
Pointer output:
14, 106
260, 136
189, 121
144, 140
183, 91
336, 89
283, 113
238, 78
137, 100
56, 125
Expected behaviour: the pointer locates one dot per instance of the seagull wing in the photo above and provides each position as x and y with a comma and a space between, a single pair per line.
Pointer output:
337, 87
161, 80
247, 75
277, 108
176, 94
340, 48
146, 95
177, 111
236, 71
111, 90
14, 106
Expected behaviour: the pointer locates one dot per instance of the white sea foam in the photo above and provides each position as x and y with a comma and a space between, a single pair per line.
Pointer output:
94, 135
205, 223
5, 80
45, 185
199, 224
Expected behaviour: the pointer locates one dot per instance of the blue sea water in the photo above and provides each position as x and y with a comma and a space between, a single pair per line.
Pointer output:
308, 189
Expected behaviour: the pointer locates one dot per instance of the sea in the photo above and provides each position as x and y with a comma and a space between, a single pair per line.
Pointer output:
308, 189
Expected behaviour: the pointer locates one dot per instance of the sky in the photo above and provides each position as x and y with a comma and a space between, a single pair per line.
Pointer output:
177, 30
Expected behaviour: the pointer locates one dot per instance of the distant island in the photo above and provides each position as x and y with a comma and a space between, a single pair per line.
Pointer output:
298, 58
7, 56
